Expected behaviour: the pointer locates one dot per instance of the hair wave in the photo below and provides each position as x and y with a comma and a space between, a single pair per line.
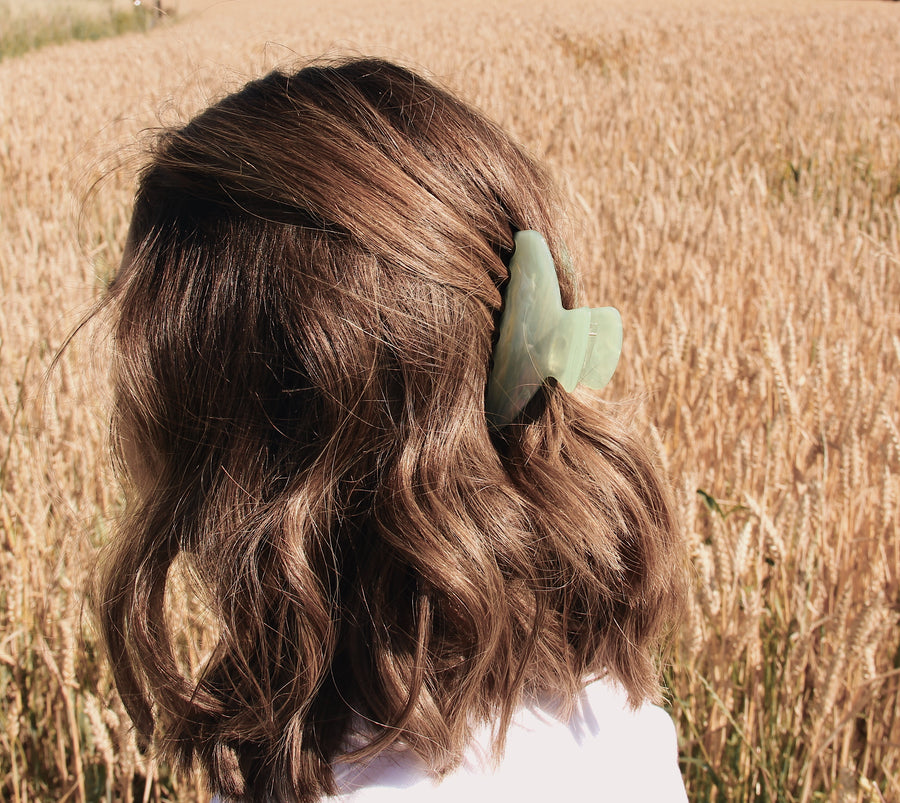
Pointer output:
304, 318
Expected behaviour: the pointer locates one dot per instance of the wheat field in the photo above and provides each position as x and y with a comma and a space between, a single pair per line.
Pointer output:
732, 175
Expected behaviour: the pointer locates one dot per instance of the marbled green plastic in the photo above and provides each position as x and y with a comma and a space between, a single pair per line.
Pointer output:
539, 339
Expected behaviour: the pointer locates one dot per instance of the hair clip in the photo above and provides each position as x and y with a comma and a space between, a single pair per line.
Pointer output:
539, 339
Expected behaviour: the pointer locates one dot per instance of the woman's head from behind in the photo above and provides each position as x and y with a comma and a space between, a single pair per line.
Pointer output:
304, 321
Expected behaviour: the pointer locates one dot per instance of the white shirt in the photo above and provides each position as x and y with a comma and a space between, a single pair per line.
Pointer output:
605, 752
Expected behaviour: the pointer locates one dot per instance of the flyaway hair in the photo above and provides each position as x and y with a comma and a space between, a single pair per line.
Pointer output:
303, 323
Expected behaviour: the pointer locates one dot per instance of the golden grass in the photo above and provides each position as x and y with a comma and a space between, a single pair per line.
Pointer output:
733, 176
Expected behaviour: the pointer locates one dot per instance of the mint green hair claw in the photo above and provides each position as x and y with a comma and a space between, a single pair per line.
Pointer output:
539, 339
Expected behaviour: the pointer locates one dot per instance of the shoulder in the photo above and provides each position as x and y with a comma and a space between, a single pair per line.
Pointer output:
606, 751
637, 747
604, 710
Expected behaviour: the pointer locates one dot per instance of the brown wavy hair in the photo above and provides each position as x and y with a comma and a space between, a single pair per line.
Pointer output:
303, 323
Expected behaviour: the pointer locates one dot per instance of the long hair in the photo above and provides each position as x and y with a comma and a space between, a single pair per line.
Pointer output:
303, 324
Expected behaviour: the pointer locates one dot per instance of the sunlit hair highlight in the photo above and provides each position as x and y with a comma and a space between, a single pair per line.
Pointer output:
303, 322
